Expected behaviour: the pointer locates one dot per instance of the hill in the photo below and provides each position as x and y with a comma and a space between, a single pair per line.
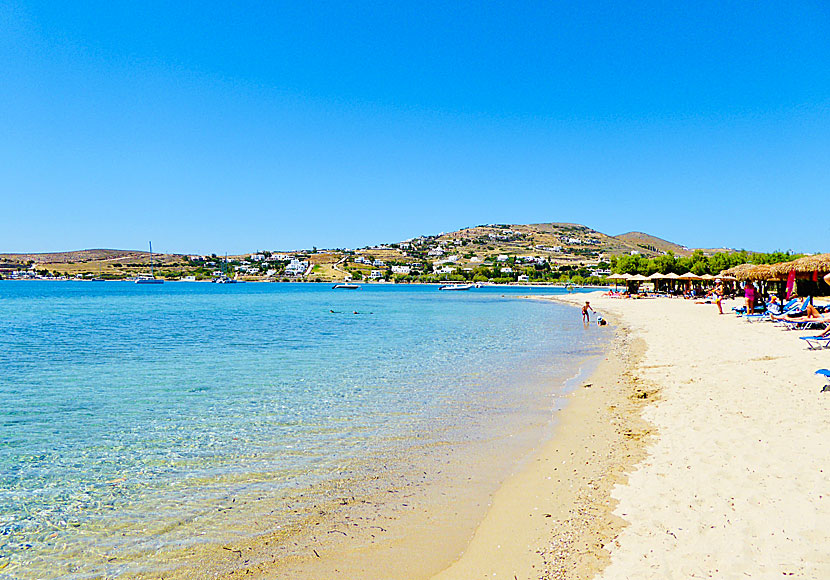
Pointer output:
653, 243
554, 245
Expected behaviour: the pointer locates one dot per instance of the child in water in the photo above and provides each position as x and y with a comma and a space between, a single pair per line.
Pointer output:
585, 309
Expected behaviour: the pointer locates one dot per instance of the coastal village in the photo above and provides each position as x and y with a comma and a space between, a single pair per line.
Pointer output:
535, 253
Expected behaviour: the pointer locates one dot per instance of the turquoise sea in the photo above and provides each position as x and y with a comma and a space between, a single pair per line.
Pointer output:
131, 413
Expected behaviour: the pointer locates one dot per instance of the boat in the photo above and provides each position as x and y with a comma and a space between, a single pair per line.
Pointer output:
151, 279
455, 287
345, 286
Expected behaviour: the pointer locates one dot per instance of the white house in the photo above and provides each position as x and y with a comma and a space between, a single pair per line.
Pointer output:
507, 270
523, 278
502, 258
379, 264
257, 257
401, 269
376, 274
296, 267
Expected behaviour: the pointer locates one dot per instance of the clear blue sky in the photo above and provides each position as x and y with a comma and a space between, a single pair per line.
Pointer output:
235, 126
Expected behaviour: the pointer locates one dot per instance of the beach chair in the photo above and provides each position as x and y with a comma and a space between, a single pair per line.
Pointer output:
816, 342
826, 374
803, 323
791, 307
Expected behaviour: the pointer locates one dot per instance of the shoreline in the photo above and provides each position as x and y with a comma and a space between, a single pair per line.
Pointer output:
553, 518
717, 469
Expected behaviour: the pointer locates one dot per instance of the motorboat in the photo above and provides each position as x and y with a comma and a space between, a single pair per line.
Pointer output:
345, 286
455, 287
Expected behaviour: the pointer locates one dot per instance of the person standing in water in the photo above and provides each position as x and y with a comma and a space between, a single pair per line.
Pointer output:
585, 309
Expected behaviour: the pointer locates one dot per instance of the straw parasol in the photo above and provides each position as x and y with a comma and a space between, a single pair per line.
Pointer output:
657, 276
638, 278
619, 276
707, 277
671, 276
689, 276
806, 265
741, 272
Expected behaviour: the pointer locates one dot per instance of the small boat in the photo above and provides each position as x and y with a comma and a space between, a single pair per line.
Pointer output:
455, 287
151, 279
345, 286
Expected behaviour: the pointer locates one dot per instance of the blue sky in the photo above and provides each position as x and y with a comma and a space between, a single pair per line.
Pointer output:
229, 127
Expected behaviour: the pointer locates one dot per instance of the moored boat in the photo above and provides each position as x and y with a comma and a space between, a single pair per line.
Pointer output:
151, 279
345, 286
455, 287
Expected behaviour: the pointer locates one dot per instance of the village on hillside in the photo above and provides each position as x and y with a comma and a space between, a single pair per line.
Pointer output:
535, 253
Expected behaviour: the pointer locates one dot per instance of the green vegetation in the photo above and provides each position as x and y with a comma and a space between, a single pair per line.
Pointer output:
697, 263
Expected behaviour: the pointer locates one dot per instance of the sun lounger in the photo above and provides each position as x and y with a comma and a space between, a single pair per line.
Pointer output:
791, 307
826, 373
804, 323
816, 342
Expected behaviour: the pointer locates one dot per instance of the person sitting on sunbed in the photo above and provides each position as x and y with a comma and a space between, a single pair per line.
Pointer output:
773, 306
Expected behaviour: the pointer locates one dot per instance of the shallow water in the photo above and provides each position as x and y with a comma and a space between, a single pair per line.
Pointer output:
131, 413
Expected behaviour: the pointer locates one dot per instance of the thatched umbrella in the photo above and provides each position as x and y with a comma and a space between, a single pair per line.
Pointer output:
740, 272
763, 272
616, 277
689, 276
804, 266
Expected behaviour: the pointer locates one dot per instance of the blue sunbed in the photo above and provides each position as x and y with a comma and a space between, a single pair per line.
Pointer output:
817, 342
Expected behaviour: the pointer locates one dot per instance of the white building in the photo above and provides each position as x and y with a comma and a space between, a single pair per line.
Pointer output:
401, 269
257, 257
376, 274
296, 267
502, 258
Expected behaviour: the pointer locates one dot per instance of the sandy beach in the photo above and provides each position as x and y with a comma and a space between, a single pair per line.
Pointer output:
698, 450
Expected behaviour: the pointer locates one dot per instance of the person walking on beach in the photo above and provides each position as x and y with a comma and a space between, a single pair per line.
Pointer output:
585, 309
